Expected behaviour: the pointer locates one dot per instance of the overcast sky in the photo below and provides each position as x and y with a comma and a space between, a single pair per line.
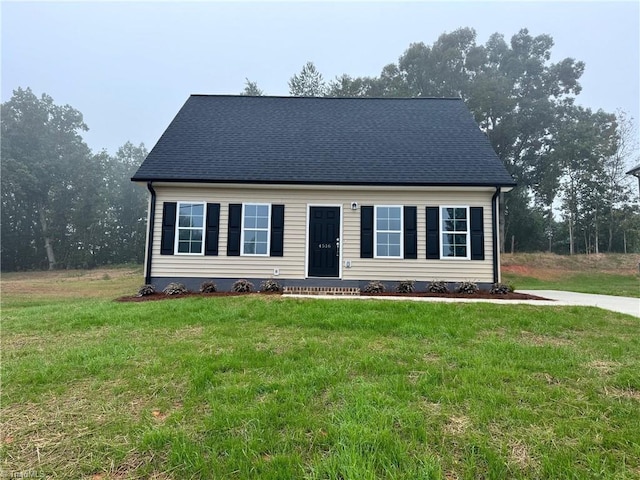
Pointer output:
128, 67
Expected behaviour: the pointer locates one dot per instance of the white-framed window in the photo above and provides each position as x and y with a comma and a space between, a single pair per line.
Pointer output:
454, 232
388, 231
190, 228
256, 221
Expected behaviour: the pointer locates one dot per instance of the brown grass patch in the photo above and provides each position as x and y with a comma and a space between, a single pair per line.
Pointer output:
457, 425
127, 468
534, 272
16, 342
414, 376
62, 284
631, 393
275, 340
602, 262
520, 456
543, 340
430, 358
189, 332
556, 269
430, 408
549, 379
604, 367
379, 345
57, 432
525, 337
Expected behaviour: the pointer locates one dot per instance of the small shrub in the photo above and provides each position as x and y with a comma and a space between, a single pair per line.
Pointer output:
500, 289
146, 290
208, 287
242, 286
406, 286
438, 286
468, 288
374, 287
270, 286
175, 288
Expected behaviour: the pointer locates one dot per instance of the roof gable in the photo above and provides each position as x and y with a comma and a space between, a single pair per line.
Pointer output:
300, 140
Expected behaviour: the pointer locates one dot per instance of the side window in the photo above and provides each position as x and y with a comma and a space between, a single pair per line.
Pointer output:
256, 220
454, 229
190, 228
388, 231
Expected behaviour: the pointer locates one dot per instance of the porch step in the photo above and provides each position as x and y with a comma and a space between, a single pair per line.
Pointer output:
355, 291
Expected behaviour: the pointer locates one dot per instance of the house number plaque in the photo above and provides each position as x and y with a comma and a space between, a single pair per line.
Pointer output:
324, 245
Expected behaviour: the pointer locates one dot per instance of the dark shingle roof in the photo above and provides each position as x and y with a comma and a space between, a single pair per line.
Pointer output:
352, 141
634, 171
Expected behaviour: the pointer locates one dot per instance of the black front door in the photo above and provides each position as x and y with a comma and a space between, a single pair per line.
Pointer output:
324, 241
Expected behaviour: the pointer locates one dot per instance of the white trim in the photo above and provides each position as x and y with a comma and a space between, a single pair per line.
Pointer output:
242, 252
497, 237
177, 229
306, 238
375, 232
441, 232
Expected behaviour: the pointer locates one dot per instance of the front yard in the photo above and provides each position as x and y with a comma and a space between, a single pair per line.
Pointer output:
271, 387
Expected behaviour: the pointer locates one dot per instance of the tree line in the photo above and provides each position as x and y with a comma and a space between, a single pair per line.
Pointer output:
64, 206
569, 162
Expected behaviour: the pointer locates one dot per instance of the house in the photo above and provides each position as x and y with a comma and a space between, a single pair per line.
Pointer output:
332, 192
635, 171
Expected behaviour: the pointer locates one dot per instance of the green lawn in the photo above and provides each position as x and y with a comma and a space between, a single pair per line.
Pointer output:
270, 387
585, 282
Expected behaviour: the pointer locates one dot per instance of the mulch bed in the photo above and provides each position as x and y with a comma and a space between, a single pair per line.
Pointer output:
482, 294
478, 295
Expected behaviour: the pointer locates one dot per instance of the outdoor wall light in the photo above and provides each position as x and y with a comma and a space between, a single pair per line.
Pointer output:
354, 205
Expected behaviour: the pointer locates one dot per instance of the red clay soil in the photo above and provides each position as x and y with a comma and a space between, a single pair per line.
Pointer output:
479, 295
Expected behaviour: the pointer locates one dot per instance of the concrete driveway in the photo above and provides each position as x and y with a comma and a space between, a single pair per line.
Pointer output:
628, 305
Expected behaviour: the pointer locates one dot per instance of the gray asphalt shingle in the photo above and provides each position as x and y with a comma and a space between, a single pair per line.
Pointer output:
351, 141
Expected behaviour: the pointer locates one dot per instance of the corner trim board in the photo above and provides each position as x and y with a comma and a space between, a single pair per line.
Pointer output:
494, 234
150, 227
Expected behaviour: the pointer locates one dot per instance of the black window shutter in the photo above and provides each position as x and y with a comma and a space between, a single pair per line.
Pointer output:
277, 231
410, 232
212, 229
477, 234
235, 225
366, 232
433, 232
168, 228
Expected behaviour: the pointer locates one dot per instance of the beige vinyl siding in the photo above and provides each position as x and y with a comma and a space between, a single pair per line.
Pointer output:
293, 264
